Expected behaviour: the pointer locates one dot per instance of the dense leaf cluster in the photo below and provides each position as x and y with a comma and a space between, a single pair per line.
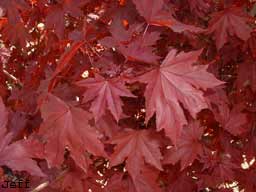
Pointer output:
128, 95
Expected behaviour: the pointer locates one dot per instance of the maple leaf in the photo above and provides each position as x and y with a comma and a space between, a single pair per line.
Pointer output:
247, 75
106, 95
10, 34
15, 22
136, 147
14, 155
154, 14
178, 181
17, 123
220, 166
250, 149
27, 97
107, 125
13, 7
233, 120
188, 146
63, 63
207, 181
182, 183
119, 32
248, 180
3, 118
218, 98
176, 81
251, 45
180, 27
109, 44
141, 49
67, 126
56, 20
72, 180
199, 7
66, 57
146, 180
231, 21
4, 55
56, 17
120, 182
3, 21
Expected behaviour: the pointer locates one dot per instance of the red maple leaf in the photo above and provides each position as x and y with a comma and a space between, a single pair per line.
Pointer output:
176, 81
14, 155
12, 8
219, 166
15, 22
248, 180
66, 57
66, 127
75, 180
11, 35
155, 14
72, 180
107, 125
64, 63
182, 182
160, 119
199, 7
178, 181
57, 13
105, 95
247, 75
141, 49
118, 182
146, 180
119, 32
136, 147
218, 99
138, 50
234, 121
188, 148
231, 21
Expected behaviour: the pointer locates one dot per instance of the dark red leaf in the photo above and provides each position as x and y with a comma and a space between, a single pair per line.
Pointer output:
66, 127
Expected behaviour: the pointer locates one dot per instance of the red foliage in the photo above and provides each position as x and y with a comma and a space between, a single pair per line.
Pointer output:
128, 95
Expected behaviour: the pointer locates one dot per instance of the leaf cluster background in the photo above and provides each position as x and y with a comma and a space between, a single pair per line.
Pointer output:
128, 95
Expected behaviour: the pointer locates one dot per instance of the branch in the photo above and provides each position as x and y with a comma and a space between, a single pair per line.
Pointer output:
16, 80
47, 183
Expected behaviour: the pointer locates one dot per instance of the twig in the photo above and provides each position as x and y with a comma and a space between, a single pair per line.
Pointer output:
145, 31
47, 183
41, 186
13, 77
